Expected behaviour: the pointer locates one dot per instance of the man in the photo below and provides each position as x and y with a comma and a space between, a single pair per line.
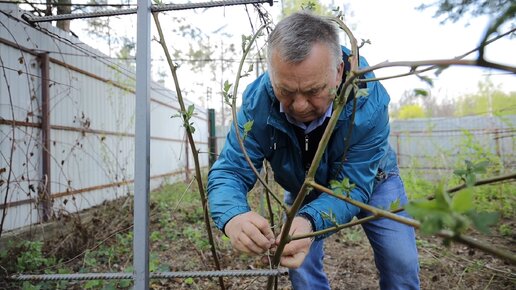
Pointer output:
290, 106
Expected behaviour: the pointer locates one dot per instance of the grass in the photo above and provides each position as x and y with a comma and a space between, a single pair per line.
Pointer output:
179, 241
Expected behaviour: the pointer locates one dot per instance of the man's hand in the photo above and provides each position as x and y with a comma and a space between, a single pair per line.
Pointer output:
250, 233
295, 252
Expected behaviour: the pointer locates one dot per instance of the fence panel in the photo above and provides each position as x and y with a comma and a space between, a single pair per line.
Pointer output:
439, 144
91, 125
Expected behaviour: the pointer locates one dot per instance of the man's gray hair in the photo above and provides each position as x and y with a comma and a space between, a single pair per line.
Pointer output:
294, 37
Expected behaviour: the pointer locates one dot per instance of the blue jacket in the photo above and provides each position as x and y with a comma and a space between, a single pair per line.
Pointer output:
273, 138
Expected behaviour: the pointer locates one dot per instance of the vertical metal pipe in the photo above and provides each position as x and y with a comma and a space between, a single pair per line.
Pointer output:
142, 148
398, 148
45, 137
212, 139
497, 141
498, 147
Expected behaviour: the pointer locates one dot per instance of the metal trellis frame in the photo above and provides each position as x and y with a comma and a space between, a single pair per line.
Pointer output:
142, 148
141, 274
153, 275
153, 8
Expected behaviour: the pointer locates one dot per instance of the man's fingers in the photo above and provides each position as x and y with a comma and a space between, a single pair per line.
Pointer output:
249, 246
257, 237
249, 232
293, 261
294, 253
263, 225
296, 246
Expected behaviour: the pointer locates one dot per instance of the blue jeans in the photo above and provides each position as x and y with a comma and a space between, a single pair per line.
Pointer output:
394, 246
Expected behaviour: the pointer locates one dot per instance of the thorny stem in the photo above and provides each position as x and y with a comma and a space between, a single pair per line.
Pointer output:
339, 106
348, 136
369, 218
266, 169
11, 154
267, 197
235, 121
467, 240
506, 15
435, 63
195, 153
340, 227
484, 181
435, 67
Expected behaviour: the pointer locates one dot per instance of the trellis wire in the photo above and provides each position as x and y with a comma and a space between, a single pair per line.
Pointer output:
154, 8
153, 275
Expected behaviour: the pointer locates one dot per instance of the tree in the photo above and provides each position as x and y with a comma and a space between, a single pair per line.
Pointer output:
454, 10
127, 51
411, 112
64, 7
500, 12
489, 100
421, 103
290, 6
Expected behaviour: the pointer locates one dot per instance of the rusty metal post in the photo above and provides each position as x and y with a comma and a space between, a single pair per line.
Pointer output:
212, 138
46, 189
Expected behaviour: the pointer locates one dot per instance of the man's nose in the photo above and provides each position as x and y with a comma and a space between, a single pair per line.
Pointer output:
300, 104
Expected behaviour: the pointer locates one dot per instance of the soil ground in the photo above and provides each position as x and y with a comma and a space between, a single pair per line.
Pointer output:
179, 243
349, 264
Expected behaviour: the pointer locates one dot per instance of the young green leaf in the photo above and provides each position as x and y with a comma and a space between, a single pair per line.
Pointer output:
442, 198
189, 281
431, 225
191, 128
440, 69
342, 187
395, 204
483, 220
247, 127
427, 80
227, 86
470, 179
330, 216
459, 172
462, 201
190, 110
420, 92
225, 93
481, 167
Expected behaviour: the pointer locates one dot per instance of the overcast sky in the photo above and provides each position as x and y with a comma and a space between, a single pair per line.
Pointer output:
396, 29
400, 32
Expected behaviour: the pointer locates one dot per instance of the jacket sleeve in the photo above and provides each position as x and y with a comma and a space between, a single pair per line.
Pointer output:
369, 145
231, 177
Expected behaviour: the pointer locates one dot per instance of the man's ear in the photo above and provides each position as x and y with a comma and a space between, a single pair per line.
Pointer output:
340, 72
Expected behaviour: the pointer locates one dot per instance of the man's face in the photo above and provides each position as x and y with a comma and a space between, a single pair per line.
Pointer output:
306, 89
